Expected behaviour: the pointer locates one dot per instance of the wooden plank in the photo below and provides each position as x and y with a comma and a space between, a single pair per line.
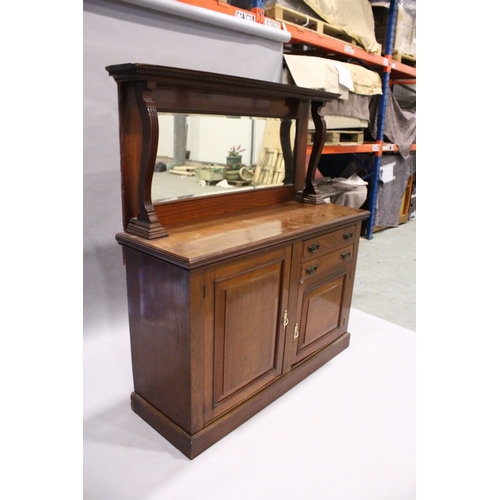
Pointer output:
404, 211
339, 137
408, 59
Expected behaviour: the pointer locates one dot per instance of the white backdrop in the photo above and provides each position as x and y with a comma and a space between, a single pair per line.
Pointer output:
114, 33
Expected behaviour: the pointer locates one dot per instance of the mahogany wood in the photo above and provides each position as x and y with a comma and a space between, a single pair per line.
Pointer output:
205, 241
310, 193
180, 212
159, 325
325, 262
144, 90
210, 336
286, 145
320, 245
249, 298
319, 306
194, 445
250, 292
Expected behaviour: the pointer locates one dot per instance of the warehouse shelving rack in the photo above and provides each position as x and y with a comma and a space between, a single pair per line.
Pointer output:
311, 43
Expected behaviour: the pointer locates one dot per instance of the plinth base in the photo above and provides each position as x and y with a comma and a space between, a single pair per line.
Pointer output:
193, 445
146, 230
313, 199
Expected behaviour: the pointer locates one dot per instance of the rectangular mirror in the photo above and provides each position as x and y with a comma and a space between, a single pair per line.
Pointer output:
202, 155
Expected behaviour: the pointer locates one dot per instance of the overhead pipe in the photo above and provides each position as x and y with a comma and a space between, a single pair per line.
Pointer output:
214, 18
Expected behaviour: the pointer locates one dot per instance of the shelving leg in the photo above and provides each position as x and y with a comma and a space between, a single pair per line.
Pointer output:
258, 9
373, 191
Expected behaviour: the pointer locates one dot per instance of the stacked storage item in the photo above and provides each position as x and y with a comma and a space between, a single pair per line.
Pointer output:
355, 18
347, 20
405, 36
349, 115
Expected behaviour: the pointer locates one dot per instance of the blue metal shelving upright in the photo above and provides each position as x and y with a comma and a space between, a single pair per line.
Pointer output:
375, 176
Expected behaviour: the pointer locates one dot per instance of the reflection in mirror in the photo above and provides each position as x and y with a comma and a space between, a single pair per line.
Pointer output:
201, 155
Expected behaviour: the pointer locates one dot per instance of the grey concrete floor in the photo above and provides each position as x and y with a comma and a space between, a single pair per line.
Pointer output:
385, 282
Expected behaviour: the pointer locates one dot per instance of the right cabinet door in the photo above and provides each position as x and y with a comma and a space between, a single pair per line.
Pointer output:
322, 269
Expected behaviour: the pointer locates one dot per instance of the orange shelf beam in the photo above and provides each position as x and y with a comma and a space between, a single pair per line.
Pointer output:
215, 5
400, 70
308, 37
256, 15
367, 147
403, 82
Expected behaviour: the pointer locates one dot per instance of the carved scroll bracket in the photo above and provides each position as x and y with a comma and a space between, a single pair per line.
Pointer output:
146, 223
311, 193
286, 147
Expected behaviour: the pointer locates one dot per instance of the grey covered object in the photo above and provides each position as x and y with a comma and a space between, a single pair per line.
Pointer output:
357, 106
395, 172
351, 192
400, 124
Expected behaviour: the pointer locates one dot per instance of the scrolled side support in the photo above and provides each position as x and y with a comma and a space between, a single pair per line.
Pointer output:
146, 223
310, 193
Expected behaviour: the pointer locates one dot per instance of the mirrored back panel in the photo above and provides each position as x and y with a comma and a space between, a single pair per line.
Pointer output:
202, 155
177, 128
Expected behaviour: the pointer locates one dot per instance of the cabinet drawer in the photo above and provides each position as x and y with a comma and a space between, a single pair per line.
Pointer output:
322, 244
325, 262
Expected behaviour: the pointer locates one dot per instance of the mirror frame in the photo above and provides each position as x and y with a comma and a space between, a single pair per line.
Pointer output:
144, 90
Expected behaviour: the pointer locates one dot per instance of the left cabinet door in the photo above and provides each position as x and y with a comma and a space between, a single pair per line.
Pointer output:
245, 306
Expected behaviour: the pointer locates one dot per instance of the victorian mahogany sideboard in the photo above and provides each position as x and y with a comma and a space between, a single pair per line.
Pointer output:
233, 298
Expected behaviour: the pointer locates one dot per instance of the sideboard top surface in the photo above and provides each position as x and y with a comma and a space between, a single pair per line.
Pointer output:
213, 240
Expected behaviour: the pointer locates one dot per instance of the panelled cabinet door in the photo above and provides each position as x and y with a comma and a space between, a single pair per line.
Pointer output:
320, 313
321, 284
245, 308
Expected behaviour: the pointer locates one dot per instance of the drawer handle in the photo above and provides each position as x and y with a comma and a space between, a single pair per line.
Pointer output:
313, 248
311, 270
345, 255
348, 236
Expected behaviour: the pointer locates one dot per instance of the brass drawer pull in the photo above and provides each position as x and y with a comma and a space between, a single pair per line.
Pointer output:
311, 270
313, 248
345, 255
348, 236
